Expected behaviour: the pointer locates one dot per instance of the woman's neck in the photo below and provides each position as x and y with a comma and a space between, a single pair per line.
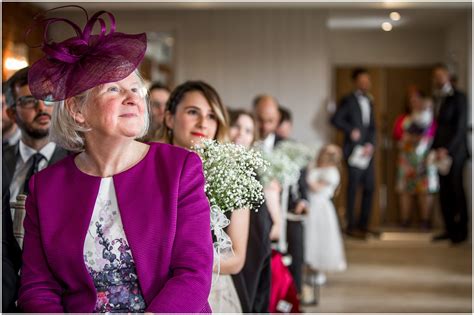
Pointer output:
106, 158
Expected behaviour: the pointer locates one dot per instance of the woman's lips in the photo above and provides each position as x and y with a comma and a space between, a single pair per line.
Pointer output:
198, 134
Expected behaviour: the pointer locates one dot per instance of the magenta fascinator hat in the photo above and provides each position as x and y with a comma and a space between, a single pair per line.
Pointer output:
84, 61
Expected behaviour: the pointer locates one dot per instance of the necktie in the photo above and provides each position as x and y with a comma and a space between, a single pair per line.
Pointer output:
37, 157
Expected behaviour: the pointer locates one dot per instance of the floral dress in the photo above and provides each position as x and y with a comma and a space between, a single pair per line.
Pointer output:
108, 257
416, 173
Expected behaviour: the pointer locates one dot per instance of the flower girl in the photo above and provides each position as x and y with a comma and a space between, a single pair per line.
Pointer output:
324, 248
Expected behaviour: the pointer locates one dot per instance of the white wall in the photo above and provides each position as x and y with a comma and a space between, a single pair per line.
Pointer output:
288, 53
398, 47
456, 49
243, 53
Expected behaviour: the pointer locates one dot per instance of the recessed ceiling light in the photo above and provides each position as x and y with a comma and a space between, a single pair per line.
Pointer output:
386, 26
395, 16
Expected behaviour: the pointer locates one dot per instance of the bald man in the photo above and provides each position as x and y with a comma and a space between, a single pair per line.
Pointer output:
268, 117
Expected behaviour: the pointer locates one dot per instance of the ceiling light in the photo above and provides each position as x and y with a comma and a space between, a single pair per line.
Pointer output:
12, 63
395, 16
386, 26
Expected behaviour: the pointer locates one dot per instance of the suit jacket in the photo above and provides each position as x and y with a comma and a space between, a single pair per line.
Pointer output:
11, 155
165, 215
348, 117
301, 192
452, 126
11, 255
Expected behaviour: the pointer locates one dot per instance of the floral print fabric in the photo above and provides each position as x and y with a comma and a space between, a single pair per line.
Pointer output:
108, 257
416, 170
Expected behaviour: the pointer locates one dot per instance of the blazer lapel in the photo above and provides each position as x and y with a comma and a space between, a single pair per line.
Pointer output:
11, 156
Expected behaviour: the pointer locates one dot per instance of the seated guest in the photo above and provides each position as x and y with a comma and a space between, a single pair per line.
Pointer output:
10, 132
34, 151
11, 256
253, 282
195, 112
159, 94
297, 208
94, 242
285, 126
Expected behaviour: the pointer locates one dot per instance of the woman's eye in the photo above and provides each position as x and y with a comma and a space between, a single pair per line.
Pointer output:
192, 112
135, 90
211, 116
113, 89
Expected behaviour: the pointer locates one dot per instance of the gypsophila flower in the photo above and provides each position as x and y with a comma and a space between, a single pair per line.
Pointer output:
281, 168
299, 153
230, 171
286, 162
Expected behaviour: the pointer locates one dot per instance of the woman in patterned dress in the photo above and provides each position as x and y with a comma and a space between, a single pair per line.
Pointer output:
417, 176
119, 226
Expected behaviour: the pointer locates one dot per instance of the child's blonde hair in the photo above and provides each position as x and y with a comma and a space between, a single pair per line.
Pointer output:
330, 154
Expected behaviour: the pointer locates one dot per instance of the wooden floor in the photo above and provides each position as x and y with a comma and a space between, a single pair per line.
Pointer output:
399, 274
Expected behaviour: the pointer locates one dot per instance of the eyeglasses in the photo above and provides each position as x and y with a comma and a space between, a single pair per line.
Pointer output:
29, 102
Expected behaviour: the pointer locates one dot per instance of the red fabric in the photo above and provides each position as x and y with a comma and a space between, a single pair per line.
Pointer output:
398, 127
283, 288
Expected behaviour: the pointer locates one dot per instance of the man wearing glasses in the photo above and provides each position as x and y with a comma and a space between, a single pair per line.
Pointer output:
34, 151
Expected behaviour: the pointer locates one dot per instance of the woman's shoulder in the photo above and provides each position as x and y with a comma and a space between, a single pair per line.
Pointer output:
168, 152
62, 166
159, 148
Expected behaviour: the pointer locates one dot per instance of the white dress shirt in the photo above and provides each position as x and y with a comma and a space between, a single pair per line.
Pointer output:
23, 164
268, 143
364, 104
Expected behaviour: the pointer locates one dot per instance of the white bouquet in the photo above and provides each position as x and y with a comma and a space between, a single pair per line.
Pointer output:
299, 153
281, 168
231, 183
230, 171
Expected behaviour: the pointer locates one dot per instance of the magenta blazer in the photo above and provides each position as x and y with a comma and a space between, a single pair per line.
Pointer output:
166, 218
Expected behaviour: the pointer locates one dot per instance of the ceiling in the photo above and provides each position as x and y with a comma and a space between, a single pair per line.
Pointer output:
341, 15
246, 4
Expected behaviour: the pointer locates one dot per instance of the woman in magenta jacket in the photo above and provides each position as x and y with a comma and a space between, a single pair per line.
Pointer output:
120, 226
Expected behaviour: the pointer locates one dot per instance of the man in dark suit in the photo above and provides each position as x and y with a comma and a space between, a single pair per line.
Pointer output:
34, 150
267, 114
297, 208
11, 255
451, 142
355, 117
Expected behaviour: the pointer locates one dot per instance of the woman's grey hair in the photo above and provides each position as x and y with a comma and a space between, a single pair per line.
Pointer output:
69, 134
